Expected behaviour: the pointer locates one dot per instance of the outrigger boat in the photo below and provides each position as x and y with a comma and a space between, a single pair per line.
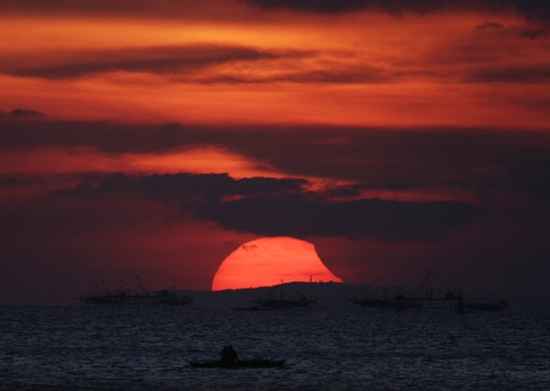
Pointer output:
254, 363
425, 298
283, 303
133, 295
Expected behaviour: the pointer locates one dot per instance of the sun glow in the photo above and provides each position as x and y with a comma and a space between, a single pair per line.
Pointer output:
270, 261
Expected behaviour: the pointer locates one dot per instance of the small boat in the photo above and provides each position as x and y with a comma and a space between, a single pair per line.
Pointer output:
254, 363
283, 303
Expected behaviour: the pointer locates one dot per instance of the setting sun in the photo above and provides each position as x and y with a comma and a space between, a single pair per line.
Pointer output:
271, 261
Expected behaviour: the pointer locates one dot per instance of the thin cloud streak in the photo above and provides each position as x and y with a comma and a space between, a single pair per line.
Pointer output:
208, 64
156, 60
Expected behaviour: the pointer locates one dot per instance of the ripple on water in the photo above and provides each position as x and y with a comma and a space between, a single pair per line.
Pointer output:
106, 348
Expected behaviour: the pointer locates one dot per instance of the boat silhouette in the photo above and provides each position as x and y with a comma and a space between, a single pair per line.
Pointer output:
282, 302
133, 294
426, 298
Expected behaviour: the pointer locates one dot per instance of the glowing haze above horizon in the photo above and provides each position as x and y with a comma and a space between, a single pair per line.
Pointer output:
155, 137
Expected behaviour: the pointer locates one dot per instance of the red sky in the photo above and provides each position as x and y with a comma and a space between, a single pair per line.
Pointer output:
155, 137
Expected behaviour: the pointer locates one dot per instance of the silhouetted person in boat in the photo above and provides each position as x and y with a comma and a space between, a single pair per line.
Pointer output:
229, 355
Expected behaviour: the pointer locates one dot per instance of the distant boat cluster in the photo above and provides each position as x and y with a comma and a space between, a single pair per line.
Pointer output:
453, 302
376, 296
431, 295
133, 294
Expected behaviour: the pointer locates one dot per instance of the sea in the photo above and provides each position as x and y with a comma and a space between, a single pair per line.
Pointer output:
94, 348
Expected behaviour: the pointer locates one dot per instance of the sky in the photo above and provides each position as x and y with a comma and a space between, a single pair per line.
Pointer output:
155, 137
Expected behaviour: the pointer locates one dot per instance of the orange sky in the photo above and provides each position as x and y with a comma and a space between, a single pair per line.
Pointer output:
197, 64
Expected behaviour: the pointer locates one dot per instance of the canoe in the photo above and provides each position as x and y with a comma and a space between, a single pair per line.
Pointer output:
256, 363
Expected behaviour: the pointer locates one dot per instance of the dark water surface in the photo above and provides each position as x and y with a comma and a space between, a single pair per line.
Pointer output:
135, 349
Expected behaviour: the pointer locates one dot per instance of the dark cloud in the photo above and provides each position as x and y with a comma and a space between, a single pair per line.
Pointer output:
532, 10
378, 158
142, 9
181, 10
279, 207
379, 220
490, 25
536, 13
537, 10
164, 60
532, 179
533, 33
107, 136
186, 188
511, 74
21, 114
11, 179
395, 7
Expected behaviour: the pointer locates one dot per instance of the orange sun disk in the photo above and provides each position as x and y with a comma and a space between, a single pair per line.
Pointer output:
271, 261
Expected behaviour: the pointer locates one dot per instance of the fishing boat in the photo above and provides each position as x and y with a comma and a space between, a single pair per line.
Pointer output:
283, 302
377, 296
133, 294
253, 363
431, 295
